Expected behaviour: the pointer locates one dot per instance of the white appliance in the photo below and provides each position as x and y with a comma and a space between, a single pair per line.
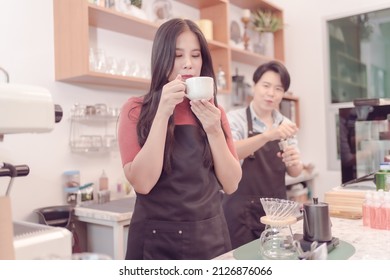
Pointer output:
27, 109
36, 241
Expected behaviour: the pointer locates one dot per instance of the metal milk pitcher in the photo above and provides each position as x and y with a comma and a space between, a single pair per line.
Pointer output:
316, 221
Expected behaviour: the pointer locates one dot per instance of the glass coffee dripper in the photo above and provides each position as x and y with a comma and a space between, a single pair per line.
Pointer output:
276, 241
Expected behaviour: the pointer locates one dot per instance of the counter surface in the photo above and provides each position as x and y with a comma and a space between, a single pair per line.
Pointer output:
369, 243
115, 210
107, 226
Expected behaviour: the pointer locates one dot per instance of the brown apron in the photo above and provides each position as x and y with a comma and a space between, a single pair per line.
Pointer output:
182, 216
263, 175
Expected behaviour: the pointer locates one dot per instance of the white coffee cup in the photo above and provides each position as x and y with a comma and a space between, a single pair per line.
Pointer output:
200, 88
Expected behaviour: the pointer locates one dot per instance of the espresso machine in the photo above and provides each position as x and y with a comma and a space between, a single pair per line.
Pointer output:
23, 109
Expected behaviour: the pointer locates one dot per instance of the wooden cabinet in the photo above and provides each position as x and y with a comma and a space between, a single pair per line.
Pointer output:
72, 19
253, 58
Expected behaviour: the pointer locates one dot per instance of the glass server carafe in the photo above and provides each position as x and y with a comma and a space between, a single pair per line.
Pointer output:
276, 241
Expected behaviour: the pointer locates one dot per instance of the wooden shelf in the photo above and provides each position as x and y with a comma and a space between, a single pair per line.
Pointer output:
201, 4
119, 22
254, 5
103, 79
247, 57
73, 19
213, 45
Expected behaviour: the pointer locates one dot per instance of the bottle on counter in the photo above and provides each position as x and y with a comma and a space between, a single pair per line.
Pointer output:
103, 182
104, 194
380, 220
71, 183
78, 198
367, 205
118, 193
375, 211
385, 215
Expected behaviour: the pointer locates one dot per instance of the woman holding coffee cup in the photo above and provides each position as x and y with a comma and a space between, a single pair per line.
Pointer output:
178, 154
257, 131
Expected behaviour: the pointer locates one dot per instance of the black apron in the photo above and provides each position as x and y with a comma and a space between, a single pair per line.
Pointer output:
182, 216
263, 175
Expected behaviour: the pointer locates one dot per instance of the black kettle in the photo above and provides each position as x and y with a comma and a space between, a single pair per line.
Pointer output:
316, 221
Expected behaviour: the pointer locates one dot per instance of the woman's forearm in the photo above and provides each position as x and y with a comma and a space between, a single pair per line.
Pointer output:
227, 167
145, 170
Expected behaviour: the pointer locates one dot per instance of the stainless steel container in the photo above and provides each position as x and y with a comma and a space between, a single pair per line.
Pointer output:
316, 221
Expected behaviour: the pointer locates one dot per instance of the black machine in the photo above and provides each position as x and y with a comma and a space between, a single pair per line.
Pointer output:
364, 140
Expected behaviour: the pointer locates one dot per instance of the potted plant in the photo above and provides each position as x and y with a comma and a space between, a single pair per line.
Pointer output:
137, 3
265, 23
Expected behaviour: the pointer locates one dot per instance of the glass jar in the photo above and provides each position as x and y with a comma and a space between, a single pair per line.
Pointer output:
71, 184
276, 243
221, 80
71, 178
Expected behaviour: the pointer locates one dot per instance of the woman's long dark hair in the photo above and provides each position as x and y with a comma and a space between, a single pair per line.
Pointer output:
162, 63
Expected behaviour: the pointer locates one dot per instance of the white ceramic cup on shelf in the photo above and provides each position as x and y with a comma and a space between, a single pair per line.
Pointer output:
200, 88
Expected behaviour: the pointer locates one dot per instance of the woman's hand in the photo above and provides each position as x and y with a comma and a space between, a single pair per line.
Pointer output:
227, 168
208, 115
171, 95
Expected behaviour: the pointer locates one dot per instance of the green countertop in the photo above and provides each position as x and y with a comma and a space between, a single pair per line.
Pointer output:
251, 251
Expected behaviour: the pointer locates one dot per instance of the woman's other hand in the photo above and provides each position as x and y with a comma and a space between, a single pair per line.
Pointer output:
208, 115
